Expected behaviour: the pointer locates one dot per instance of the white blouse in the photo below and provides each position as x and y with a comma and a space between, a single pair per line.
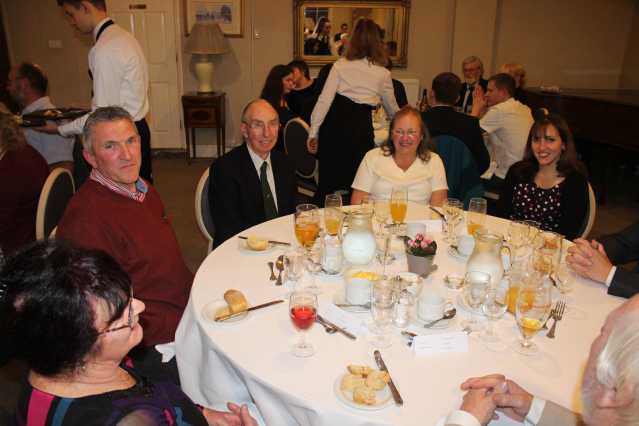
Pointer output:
359, 80
378, 174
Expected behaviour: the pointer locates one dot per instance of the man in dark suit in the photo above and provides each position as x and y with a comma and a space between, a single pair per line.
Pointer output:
442, 119
252, 183
596, 259
473, 70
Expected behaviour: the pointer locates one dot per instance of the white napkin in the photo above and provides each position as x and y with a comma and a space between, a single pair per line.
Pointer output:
167, 350
346, 320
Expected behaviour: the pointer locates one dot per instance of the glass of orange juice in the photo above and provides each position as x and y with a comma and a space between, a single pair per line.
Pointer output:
532, 310
476, 217
398, 205
333, 214
307, 225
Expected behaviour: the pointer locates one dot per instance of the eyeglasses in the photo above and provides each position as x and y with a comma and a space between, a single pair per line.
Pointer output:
130, 321
411, 134
260, 125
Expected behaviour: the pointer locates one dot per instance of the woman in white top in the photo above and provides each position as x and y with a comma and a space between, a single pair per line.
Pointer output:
404, 160
341, 125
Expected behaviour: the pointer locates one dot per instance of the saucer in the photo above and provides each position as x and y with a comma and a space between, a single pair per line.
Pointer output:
418, 322
383, 397
456, 254
209, 310
340, 299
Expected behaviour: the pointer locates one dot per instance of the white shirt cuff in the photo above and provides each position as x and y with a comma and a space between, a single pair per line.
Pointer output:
610, 276
461, 418
536, 410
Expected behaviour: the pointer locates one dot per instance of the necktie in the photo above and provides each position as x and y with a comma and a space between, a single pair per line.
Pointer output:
270, 211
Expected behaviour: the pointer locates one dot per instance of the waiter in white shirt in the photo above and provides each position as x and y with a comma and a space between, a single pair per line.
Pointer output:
118, 69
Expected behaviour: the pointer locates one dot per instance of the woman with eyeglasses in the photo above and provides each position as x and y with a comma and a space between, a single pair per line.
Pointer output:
341, 123
404, 160
71, 315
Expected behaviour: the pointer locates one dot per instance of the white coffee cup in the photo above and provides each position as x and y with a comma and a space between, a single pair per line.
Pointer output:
357, 290
414, 228
431, 307
465, 244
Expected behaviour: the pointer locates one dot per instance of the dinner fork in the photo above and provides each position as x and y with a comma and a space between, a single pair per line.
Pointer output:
557, 315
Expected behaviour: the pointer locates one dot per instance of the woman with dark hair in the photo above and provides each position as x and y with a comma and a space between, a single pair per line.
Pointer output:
405, 160
71, 315
319, 42
23, 172
549, 185
341, 124
277, 86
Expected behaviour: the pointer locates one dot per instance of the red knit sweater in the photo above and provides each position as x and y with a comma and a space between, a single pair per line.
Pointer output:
140, 237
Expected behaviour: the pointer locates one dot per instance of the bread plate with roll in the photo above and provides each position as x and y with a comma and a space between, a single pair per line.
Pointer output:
364, 388
234, 308
254, 244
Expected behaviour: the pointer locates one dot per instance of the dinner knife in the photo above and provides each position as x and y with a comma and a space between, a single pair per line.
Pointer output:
382, 366
270, 241
441, 216
339, 329
252, 308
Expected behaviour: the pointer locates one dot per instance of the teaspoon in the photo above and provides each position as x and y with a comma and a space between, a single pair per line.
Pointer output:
447, 315
270, 265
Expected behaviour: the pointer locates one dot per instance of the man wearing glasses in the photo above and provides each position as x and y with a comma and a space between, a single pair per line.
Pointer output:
118, 212
252, 183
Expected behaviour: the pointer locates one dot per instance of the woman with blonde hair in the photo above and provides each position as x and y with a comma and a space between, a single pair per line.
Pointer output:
341, 124
518, 73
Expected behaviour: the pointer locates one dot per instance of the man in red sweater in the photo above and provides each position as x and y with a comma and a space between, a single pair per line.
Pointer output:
118, 212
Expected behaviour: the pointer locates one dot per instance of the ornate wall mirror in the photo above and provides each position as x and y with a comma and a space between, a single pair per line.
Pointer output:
321, 28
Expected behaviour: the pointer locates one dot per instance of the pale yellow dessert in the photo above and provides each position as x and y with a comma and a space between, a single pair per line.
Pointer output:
257, 243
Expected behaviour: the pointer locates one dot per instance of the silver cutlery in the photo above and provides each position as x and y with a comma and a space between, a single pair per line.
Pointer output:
252, 308
327, 328
337, 328
450, 313
270, 265
557, 315
281, 243
279, 264
382, 366
354, 305
443, 218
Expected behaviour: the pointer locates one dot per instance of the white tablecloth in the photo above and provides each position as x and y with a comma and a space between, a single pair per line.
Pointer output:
251, 360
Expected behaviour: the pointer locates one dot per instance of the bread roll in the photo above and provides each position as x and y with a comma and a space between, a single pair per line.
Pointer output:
361, 370
377, 379
351, 381
364, 395
257, 243
236, 301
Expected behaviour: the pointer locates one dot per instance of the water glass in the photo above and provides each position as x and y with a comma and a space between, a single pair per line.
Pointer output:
333, 214
294, 261
383, 299
452, 213
494, 307
381, 208
477, 285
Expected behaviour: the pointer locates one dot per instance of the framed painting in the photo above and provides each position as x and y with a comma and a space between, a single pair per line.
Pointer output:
227, 13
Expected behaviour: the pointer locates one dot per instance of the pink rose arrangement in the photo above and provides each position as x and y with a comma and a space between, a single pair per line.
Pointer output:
421, 246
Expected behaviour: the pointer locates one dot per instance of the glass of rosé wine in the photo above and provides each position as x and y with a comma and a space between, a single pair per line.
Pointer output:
303, 311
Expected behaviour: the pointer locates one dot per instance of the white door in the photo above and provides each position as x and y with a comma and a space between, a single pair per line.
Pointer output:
152, 22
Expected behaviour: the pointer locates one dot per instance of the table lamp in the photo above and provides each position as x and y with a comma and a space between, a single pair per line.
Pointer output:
206, 39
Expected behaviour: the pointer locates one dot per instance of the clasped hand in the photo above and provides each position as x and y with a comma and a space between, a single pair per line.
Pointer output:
495, 392
589, 259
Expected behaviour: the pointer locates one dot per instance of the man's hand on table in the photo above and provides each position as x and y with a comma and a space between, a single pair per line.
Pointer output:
507, 396
589, 259
479, 403
50, 128
238, 416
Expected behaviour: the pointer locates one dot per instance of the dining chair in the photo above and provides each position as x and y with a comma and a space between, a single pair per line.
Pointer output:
592, 212
462, 175
203, 209
54, 197
306, 167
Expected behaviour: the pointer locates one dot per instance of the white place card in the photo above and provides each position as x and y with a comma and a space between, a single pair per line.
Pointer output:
433, 344
350, 322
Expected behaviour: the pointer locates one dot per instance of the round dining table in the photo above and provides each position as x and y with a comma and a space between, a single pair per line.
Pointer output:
250, 360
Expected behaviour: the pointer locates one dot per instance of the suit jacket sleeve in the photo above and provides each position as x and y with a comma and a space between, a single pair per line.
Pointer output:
505, 202
556, 415
285, 184
478, 148
623, 247
574, 202
225, 202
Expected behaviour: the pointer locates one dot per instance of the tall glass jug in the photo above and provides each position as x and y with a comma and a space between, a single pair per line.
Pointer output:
358, 243
486, 256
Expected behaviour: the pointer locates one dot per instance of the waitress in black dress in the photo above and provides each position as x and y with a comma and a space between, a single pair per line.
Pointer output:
341, 123
277, 86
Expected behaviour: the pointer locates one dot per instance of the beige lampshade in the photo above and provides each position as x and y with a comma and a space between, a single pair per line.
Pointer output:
207, 39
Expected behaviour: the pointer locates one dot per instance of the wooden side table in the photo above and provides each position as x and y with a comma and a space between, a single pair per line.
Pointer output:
204, 111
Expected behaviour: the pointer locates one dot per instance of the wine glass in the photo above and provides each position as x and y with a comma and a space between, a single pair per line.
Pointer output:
494, 307
452, 214
476, 214
333, 214
398, 207
381, 208
476, 286
303, 311
382, 308
534, 228
533, 307
307, 225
